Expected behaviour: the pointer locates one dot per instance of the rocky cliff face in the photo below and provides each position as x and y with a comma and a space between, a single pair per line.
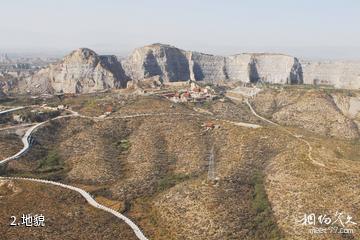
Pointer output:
170, 63
349, 105
276, 68
173, 64
240, 68
205, 67
340, 74
82, 71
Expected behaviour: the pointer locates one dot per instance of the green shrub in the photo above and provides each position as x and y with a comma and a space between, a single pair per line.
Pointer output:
51, 161
91, 103
123, 144
171, 180
264, 224
260, 202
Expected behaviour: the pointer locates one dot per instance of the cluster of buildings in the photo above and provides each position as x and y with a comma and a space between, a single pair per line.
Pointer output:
193, 93
21, 66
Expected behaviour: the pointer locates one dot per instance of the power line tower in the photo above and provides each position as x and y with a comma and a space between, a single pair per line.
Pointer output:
211, 170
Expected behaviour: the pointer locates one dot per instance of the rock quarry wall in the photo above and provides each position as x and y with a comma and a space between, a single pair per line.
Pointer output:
205, 67
170, 63
277, 68
84, 71
173, 64
240, 68
340, 74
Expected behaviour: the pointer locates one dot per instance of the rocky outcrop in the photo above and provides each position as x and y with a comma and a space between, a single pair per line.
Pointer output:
173, 64
312, 110
241, 68
264, 67
112, 63
206, 67
82, 71
340, 74
275, 68
349, 105
168, 62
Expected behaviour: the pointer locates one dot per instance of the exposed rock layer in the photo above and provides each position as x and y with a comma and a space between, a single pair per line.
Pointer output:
340, 74
84, 71
168, 62
173, 64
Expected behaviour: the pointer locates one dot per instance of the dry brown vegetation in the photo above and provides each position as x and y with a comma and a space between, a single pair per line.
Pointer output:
67, 215
10, 143
313, 110
154, 169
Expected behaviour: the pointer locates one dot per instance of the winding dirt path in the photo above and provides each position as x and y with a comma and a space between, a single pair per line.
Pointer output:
289, 132
89, 199
299, 138
11, 110
17, 126
26, 141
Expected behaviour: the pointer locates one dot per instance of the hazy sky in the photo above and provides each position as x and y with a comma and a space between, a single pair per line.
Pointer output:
305, 28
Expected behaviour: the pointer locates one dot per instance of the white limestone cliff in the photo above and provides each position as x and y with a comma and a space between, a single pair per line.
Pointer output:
170, 63
240, 67
82, 71
173, 64
277, 69
340, 74
206, 67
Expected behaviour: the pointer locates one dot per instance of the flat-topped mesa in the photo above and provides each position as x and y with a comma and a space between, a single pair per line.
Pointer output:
247, 67
82, 71
275, 68
340, 74
170, 63
240, 67
264, 67
206, 67
173, 64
